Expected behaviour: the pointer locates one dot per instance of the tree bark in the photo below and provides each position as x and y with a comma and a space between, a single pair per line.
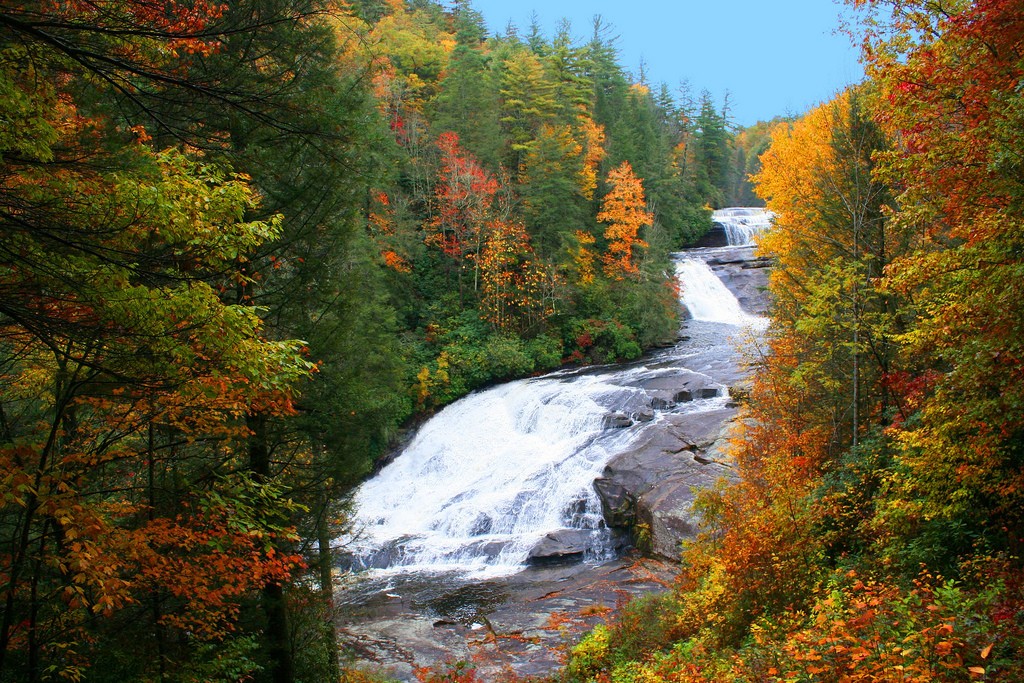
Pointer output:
325, 560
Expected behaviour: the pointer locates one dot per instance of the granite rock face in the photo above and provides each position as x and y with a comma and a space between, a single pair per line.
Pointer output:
563, 545
746, 276
655, 482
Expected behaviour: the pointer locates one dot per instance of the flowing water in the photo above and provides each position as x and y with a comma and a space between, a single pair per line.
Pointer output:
489, 476
742, 224
447, 527
706, 298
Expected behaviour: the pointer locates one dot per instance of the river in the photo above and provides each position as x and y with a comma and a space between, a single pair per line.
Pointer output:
487, 537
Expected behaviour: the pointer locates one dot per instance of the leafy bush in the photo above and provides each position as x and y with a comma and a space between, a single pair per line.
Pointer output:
601, 341
448, 672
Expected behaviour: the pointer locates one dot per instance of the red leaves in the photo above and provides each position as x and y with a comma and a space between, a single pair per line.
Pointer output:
464, 195
949, 102
180, 26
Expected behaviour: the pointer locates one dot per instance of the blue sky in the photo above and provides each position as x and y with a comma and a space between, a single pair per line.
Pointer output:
773, 57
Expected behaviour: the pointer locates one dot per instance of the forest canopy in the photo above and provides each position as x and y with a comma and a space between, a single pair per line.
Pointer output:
874, 530
243, 244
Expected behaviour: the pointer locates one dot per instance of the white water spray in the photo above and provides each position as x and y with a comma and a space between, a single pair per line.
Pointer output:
742, 224
708, 299
489, 475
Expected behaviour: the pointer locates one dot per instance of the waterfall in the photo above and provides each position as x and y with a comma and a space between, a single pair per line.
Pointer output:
707, 299
489, 476
742, 224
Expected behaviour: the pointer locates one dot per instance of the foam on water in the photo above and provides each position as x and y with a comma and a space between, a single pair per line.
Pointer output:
487, 477
704, 295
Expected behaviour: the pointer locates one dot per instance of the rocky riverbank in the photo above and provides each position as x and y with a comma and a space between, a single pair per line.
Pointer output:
522, 623
650, 489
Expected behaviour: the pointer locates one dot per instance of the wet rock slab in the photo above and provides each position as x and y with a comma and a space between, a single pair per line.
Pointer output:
524, 623
521, 624
655, 482
560, 546
682, 387
652, 486
745, 275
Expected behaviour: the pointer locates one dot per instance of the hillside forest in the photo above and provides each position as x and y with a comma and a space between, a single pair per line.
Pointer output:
875, 530
246, 245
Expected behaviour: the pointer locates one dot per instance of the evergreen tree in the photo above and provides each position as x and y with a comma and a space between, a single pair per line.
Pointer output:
468, 103
528, 101
712, 153
553, 204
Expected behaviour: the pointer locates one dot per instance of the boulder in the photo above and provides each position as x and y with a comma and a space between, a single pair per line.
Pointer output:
617, 421
653, 483
682, 386
659, 403
490, 549
560, 546
643, 415
747, 279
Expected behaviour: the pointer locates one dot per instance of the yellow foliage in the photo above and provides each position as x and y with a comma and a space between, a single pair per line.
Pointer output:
593, 152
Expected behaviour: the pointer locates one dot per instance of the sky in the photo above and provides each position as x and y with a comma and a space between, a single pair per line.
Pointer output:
774, 58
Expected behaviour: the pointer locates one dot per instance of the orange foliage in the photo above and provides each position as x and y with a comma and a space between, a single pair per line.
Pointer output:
625, 211
384, 232
517, 290
955, 103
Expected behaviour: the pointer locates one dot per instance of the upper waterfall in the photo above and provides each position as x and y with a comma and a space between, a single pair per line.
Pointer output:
742, 224
708, 299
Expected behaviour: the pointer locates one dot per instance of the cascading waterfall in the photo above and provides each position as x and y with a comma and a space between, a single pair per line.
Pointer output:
489, 476
742, 224
708, 299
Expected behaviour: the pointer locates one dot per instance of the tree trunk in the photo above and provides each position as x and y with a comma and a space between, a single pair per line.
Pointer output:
274, 608
325, 560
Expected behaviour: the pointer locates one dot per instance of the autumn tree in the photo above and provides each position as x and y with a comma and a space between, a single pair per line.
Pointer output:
463, 198
950, 91
831, 243
108, 340
625, 213
256, 88
518, 293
